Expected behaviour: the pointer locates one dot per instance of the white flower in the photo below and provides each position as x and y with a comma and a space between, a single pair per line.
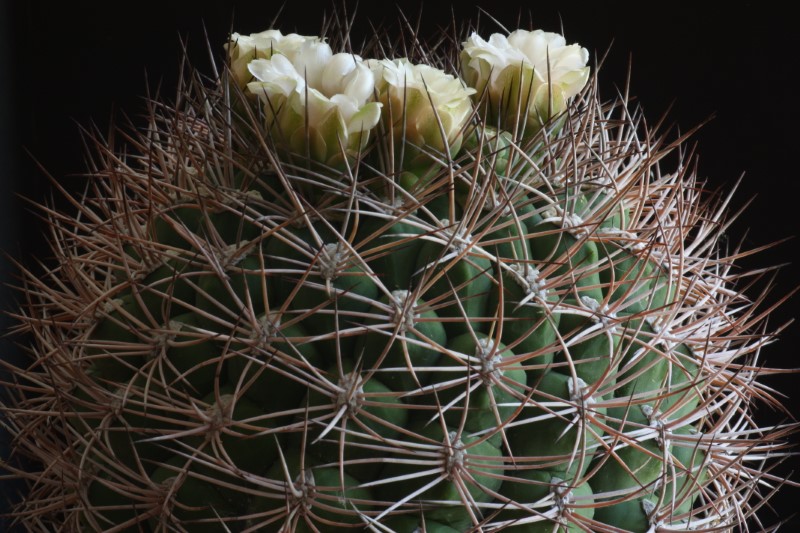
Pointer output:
317, 102
243, 49
435, 105
528, 76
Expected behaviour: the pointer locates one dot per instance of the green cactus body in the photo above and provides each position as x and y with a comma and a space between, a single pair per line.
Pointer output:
464, 281
484, 389
393, 250
459, 468
529, 326
411, 524
557, 499
367, 413
399, 346
563, 427
176, 225
635, 281
196, 501
240, 289
110, 496
273, 349
318, 498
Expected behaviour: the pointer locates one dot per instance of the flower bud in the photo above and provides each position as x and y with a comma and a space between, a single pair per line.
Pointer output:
527, 77
423, 106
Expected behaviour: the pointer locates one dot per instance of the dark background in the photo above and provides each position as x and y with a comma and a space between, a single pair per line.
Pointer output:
64, 64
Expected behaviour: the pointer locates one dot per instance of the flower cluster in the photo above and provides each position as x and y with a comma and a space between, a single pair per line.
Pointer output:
324, 105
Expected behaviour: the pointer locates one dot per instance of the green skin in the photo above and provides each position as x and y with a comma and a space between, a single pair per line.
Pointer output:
178, 360
455, 515
151, 302
332, 505
684, 386
636, 281
122, 437
226, 301
574, 255
232, 225
186, 357
527, 328
87, 405
167, 293
139, 410
530, 493
372, 345
642, 369
272, 391
394, 265
535, 440
375, 401
471, 276
505, 237
248, 450
432, 190
496, 151
599, 203
481, 414
653, 375
198, 504
644, 461
350, 278
124, 445
171, 227
168, 228
268, 186
552, 244
111, 508
525, 486
269, 501
114, 349
594, 359
327, 506
674, 498
414, 524
691, 472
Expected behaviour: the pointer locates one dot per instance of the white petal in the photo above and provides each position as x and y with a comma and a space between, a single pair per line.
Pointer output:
360, 84
317, 105
311, 60
365, 119
276, 76
334, 73
347, 105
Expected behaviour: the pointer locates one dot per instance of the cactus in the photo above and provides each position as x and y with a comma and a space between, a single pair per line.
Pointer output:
408, 300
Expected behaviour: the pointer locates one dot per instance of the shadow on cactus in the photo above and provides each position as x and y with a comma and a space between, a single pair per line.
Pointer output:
329, 293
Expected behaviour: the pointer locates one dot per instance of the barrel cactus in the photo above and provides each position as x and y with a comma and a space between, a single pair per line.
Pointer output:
331, 292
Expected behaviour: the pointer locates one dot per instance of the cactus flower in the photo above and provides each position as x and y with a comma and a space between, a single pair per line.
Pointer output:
242, 49
435, 105
527, 77
316, 101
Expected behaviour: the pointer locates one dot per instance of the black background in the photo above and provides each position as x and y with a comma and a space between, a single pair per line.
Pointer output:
64, 64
